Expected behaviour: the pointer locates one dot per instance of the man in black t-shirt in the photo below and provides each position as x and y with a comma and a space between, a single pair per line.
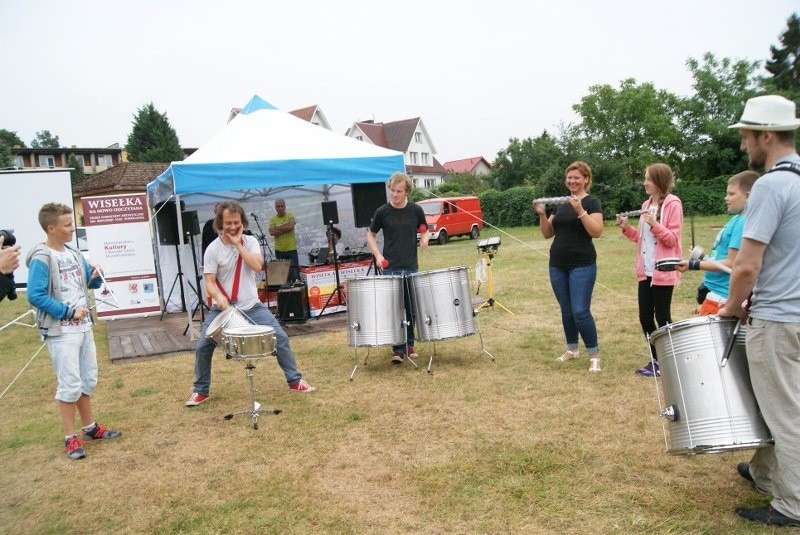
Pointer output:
400, 220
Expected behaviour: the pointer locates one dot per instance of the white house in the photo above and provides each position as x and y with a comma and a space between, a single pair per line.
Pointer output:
410, 137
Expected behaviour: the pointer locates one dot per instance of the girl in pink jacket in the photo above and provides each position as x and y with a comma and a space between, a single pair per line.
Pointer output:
657, 238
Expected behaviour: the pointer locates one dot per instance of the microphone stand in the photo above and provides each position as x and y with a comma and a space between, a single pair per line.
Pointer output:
338, 288
262, 240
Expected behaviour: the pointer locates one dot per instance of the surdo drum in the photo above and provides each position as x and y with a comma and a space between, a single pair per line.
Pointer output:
249, 341
228, 318
442, 304
709, 402
375, 312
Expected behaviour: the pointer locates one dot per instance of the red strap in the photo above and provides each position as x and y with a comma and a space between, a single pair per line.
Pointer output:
236, 276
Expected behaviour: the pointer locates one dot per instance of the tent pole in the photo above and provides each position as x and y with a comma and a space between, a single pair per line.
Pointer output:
181, 243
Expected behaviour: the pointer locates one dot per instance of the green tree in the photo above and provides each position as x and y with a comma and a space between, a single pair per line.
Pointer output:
77, 174
721, 88
8, 140
45, 140
526, 162
467, 183
785, 63
635, 124
152, 138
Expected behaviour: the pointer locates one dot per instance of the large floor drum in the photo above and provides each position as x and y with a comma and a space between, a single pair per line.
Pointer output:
710, 407
442, 304
375, 313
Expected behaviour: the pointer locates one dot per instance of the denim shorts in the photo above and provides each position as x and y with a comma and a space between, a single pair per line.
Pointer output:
75, 363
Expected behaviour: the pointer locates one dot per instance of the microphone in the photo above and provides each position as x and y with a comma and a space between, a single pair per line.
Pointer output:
253, 215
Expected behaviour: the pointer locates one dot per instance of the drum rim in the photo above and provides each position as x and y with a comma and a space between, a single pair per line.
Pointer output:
690, 322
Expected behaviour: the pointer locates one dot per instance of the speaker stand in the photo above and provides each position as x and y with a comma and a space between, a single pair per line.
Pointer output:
178, 277
338, 288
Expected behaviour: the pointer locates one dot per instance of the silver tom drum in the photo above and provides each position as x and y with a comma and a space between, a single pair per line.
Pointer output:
442, 304
230, 317
709, 404
249, 341
375, 312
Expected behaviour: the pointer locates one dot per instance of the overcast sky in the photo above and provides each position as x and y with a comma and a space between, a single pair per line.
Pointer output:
477, 72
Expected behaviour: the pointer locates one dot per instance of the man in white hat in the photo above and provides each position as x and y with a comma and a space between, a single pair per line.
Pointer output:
766, 266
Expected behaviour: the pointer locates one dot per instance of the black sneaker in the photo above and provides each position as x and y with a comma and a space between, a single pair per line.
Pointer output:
100, 432
397, 357
767, 515
744, 471
74, 447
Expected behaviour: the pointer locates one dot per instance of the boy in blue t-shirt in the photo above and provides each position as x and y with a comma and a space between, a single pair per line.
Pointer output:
726, 246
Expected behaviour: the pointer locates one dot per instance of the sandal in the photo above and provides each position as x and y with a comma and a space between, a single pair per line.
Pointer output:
594, 364
568, 356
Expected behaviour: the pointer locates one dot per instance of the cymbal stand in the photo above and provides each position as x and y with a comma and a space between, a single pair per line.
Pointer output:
256, 409
490, 301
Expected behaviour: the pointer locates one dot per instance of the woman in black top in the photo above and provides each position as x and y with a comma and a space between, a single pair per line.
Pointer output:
573, 260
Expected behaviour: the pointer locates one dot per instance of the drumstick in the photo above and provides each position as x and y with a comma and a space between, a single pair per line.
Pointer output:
729, 346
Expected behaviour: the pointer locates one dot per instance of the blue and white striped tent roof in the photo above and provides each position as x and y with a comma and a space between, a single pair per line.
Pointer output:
264, 147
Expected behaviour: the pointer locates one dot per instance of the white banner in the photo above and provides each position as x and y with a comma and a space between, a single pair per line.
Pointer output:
118, 234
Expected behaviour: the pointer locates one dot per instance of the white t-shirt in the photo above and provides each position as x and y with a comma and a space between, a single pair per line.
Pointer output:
72, 293
649, 246
221, 259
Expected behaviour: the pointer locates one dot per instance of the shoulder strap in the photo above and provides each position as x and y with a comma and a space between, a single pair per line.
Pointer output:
785, 166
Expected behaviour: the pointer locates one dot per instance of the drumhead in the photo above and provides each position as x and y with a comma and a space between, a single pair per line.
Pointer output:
691, 322
248, 330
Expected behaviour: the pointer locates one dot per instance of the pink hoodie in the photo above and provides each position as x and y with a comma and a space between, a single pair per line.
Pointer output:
667, 232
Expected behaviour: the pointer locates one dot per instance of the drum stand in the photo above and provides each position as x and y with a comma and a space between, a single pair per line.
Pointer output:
432, 344
490, 301
355, 356
255, 405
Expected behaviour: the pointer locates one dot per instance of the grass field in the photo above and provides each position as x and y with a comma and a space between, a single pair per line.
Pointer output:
523, 444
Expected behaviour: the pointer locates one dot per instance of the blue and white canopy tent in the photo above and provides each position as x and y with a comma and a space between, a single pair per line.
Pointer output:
264, 148
262, 151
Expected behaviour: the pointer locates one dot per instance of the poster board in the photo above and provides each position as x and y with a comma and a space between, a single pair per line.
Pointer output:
118, 235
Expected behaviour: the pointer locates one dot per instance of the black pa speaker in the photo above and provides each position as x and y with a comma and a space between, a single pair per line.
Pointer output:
366, 199
167, 223
293, 303
330, 212
191, 225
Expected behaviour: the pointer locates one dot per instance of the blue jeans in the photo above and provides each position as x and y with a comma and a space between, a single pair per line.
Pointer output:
294, 263
573, 288
75, 363
205, 348
407, 304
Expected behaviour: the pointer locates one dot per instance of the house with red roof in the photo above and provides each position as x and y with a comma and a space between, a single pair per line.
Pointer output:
410, 137
477, 166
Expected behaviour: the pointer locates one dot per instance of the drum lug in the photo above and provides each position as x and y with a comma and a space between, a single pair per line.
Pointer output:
428, 320
356, 326
670, 413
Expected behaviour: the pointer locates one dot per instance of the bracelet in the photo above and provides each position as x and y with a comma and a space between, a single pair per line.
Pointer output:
694, 265
583, 214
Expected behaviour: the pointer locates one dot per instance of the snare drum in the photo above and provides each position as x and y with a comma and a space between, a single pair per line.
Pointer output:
710, 407
375, 312
668, 264
230, 317
442, 304
249, 342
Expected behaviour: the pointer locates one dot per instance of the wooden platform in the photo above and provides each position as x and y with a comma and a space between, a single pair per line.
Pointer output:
135, 339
